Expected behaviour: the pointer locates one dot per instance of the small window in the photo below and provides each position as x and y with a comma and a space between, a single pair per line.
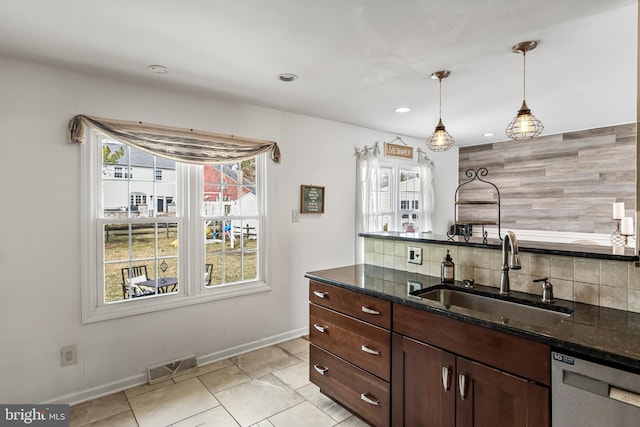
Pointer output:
158, 174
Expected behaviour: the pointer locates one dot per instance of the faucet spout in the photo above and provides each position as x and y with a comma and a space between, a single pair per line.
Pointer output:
509, 244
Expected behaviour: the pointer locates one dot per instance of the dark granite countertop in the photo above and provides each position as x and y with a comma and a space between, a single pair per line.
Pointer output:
562, 249
597, 333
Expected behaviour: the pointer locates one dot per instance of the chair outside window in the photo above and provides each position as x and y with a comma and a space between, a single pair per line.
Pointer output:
208, 275
138, 275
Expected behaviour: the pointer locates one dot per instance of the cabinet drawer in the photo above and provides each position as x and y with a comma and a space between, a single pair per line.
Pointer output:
361, 392
363, 307
360, 343
519, 356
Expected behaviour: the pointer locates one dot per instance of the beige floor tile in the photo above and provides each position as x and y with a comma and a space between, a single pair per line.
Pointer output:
304, 356
311, 392
353, 421
216, 417
264, 361
204, 369
98, 409
295, 376
125, 419
254, 401
173, 403
295, 346
224, 378
304, 414
141, 389
263, 423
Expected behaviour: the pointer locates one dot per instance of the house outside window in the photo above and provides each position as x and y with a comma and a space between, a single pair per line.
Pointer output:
196, 234
398, 195
158, 174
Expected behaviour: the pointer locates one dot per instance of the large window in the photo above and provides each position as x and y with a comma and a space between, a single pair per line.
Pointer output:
169, 234
398, 197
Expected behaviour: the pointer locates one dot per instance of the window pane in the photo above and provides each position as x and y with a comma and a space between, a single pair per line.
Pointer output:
136, 183
136, 250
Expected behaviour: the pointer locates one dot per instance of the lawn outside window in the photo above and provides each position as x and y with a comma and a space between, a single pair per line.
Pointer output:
158, 233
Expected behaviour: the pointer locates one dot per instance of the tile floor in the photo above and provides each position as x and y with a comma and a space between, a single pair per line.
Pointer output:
265, 388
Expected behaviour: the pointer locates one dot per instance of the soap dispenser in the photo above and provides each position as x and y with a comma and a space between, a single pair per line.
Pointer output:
447, 269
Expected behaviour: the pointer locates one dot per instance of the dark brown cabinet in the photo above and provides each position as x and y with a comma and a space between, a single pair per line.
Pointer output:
431, 371
432, 386
350, 352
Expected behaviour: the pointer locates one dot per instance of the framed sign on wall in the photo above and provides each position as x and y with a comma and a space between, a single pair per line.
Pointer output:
311, 199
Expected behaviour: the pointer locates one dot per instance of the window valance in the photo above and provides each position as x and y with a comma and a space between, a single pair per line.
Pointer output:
183, 145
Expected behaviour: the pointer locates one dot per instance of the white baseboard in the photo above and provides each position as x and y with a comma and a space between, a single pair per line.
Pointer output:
140, 379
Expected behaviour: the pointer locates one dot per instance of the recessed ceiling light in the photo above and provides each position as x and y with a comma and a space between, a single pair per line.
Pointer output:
402, 110
488, 134
287, 77
159, 69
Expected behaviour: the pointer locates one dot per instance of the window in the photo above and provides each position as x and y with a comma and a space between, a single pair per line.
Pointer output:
398, 196
175, 234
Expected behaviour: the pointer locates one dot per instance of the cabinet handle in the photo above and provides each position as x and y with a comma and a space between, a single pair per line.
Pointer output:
369, 311
364, 397
320, 328
368, 350
320, 294
321, 369
462, 384
446, 378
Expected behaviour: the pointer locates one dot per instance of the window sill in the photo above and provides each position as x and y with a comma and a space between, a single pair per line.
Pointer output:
165, 302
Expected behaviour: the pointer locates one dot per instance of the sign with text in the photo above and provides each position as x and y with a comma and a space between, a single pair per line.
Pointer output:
34, 415
394, 150
311, 199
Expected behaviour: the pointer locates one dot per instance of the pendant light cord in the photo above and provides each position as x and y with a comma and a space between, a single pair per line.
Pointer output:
440, 109
524, 75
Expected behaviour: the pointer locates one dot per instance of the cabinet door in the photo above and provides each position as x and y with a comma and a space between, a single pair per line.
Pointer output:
488, 398
423, 386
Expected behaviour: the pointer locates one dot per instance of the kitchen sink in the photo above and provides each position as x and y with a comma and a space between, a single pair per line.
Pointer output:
501, 309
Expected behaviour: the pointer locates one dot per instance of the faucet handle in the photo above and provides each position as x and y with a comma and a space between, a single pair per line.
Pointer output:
547, 289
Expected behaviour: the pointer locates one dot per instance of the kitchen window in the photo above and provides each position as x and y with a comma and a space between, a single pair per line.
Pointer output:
398, 195
195, 235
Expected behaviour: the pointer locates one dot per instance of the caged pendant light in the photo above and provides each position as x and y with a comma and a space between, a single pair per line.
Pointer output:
440, 140
524, 125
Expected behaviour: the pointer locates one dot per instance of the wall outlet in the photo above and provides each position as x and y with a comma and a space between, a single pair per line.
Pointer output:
414, 255
69, 355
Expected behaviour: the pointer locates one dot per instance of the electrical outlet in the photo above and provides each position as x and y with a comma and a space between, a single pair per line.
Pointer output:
69, 355
414, 255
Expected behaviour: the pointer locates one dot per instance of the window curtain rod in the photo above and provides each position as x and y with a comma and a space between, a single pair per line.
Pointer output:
180, 144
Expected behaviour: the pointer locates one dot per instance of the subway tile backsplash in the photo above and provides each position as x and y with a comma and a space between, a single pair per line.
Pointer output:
613, 284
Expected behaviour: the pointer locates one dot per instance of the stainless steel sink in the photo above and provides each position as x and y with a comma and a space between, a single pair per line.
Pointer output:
499, 309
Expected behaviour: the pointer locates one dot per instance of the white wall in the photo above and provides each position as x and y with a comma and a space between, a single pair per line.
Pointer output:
40, 241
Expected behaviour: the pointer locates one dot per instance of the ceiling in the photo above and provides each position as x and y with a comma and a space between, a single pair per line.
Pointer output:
357, 60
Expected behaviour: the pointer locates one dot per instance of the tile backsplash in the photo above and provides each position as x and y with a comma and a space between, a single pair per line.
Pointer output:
613, 284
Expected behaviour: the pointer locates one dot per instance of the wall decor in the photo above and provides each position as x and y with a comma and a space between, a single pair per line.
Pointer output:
395, 150
311, 199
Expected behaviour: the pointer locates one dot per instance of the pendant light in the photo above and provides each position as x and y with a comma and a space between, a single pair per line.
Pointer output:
524, 125
440, 140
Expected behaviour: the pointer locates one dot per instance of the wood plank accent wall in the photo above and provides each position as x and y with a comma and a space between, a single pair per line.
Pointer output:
564, 182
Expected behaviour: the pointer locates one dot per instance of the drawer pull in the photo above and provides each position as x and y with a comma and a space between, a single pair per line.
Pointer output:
321, 369
368, 350
320, 328
370, 401
446, 377
369, 311
462, 383
320, 294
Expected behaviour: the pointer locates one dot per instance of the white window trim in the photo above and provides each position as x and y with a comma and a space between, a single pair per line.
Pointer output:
192, 287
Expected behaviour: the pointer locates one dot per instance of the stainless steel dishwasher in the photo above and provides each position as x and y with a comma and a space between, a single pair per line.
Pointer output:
587, 394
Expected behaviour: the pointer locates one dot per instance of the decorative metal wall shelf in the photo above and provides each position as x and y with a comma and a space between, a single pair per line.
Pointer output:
465, 226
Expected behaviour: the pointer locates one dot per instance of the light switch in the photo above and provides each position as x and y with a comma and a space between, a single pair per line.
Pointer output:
295, 215
414, 255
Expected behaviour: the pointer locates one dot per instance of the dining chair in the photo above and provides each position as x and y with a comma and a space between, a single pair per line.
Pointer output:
209, 274
138, 274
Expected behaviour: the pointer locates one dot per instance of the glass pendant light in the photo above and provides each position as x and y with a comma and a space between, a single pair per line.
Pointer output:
524, 125
440, 140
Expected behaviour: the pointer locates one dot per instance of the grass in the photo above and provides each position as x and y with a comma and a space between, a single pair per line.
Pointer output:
143, 253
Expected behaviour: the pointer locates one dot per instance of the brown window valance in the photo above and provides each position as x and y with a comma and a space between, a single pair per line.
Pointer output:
183, 145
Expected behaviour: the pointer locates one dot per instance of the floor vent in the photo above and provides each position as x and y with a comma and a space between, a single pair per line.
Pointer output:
164, 371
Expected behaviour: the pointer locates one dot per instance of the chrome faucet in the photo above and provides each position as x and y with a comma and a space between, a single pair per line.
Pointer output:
509, 243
